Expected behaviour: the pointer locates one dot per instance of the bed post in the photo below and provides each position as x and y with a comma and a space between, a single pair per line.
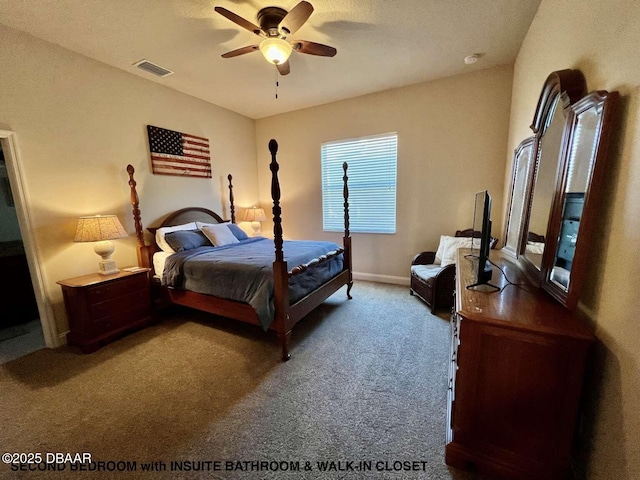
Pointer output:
280, 272
347, 236
144, 251
232, 209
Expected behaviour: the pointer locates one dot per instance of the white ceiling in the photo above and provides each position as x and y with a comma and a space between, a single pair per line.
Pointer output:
381, 44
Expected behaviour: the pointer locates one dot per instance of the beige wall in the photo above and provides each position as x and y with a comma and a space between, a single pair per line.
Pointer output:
452, 137
78, 123
601, 39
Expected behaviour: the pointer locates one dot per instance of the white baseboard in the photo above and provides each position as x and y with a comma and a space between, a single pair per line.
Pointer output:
372, 277
61, 339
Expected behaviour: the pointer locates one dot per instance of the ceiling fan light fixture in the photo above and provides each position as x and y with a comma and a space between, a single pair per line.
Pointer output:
275, 50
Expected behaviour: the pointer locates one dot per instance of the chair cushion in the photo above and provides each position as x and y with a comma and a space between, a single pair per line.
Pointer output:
426, 272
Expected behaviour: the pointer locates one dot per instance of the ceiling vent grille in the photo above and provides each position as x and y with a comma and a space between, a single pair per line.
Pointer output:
157, 70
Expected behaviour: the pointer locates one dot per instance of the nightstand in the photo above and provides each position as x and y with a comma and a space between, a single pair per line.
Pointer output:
101, 307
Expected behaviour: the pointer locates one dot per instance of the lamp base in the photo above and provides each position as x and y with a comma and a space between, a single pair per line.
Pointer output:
107, 267
257, 230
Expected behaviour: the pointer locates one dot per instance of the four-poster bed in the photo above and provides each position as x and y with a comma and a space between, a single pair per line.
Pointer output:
291, 301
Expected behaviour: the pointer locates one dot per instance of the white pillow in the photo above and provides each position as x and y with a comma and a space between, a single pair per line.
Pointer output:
451, 246
535, 247
219, 234
438, 259
202, 224
161, 232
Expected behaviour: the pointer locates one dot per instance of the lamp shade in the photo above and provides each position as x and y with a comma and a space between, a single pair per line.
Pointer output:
99, 227
255, 215
275, 50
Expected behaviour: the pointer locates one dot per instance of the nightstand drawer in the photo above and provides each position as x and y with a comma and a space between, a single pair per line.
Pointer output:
120, 304
122, 319
109, 290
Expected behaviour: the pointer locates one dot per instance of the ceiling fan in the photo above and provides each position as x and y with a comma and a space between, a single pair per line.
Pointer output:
276, 24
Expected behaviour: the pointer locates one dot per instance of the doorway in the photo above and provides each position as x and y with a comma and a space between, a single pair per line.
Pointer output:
25, 323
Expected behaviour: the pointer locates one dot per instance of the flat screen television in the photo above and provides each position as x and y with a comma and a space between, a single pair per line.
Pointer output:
482, 223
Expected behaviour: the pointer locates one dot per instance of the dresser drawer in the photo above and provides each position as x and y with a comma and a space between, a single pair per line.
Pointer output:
110, 290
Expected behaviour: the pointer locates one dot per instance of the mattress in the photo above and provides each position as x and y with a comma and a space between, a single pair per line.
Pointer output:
159, 260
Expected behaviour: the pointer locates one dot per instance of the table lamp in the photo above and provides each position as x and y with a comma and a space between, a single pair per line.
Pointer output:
255, 216
101, 229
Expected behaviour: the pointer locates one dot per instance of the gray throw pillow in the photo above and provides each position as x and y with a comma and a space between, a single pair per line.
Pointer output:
183, 240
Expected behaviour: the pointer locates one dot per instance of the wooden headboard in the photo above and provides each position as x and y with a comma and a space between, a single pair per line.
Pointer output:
190, 214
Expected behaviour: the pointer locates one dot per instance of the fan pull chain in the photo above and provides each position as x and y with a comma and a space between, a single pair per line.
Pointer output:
277, 84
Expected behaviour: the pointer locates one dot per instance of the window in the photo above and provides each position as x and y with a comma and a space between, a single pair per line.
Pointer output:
372, 183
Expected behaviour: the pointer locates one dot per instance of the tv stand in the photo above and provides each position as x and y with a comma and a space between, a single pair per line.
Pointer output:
515, 377
485, 287
482, 282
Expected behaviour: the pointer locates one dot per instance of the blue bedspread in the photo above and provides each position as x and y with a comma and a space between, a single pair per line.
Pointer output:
244, 271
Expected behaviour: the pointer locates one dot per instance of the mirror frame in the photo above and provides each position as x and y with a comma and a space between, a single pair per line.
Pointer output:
605, 103
516, 222
565, 87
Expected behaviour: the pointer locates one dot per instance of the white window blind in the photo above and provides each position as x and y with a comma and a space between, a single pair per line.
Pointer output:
372, 176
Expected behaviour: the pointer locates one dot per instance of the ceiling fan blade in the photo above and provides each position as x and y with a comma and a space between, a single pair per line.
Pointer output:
240, 51
312, 48
296, 18
284, 68
237, 19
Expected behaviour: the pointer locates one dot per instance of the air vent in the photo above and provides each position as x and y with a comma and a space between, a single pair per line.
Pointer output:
157, 70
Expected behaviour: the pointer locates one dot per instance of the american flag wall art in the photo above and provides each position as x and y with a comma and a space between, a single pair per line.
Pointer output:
175, 153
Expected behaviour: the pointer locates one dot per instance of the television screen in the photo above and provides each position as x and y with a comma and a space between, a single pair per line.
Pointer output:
482, 224
478, 214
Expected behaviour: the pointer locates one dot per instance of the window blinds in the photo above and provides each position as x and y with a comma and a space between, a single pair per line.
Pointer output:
372, 183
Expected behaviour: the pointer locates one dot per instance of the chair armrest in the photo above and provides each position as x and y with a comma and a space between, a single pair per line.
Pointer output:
424, 258
447, 274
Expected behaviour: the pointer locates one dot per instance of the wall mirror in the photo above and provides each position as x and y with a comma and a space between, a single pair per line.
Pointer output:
559, 92
575, 202
521, 178
547, 159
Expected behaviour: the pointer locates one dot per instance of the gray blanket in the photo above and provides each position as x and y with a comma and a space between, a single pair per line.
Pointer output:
244, 271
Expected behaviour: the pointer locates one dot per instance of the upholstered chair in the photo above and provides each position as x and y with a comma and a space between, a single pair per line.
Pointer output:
433, 273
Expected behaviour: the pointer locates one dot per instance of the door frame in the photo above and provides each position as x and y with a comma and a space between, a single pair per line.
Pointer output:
21, 201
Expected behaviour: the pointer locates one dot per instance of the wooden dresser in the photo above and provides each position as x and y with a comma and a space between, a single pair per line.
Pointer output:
517, 366
100, 307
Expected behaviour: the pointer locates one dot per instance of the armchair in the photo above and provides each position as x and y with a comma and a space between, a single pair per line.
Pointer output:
433, 273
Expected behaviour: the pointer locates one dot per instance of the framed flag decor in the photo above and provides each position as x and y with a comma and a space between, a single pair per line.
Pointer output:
175, 153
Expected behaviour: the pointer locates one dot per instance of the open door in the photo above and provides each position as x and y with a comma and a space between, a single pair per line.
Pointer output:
26, 323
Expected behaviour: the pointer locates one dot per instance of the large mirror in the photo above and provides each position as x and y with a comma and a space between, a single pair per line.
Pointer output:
559, 92
547, 159
576, 198
523, 162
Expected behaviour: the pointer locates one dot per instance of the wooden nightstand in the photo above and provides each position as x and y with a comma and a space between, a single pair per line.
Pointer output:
100, 307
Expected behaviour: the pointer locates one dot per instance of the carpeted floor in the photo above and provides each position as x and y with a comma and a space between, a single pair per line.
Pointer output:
366, 384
